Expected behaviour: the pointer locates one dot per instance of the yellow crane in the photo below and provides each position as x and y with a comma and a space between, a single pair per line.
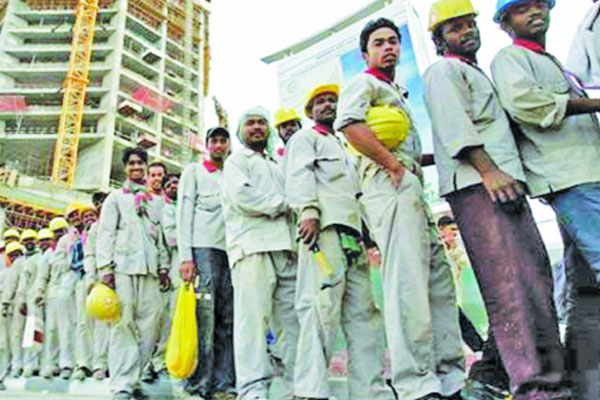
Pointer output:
75, 88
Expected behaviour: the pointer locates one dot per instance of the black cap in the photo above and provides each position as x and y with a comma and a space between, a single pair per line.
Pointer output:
216, 130
445, 220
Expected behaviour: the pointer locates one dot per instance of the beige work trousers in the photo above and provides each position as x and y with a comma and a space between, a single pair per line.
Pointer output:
167, 308
420, 312
321, 311
4, 346
101, 339
84, 328
134, 336
59, 333
264, 286
17, 327
32, 356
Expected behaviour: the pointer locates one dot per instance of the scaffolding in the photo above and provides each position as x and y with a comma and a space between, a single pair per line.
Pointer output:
25, 215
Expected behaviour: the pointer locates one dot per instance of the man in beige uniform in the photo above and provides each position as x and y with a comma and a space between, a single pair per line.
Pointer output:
4, 325
132, 258
420, 312
322, 188
258, 237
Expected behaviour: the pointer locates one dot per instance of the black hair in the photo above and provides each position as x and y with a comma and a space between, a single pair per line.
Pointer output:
438, 40
372, 26
98, 197
138, 151
168, 177
159, 164
445, 221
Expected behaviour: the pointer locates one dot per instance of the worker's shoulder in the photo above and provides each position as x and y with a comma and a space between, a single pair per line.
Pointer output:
444, 66
510, 51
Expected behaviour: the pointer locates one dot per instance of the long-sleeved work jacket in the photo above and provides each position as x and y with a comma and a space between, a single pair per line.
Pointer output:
25, 288
11, 281
48, 279
321, 181
466, 113
558, 151
584, 57
130, 243
199, 214
254, 205
89, 254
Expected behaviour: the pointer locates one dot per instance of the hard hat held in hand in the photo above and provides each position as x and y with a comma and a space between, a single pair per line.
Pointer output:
444, 10
390, 125
103, 303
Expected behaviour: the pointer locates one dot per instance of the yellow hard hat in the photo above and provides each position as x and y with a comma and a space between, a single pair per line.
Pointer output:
103, 303
285, 114
328, 88
87, 207
74, 206
443, 10
28, 234
45, 233
58, 223
2, 245
11, 233
14, 247
391, 125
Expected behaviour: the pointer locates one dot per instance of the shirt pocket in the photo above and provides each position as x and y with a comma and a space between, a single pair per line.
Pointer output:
208, 201
332, 168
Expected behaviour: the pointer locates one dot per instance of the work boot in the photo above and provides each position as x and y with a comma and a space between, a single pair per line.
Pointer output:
138, 394
455, 396
99, 374
47, 373
65, 373
431, 396
2, 386
122, 396
79, 374
28, 372
149, 375
16, 373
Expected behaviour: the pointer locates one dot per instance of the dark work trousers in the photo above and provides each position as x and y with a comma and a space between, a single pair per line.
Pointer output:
215, 371
513, 270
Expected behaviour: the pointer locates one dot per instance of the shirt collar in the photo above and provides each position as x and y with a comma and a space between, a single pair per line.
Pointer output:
378, 74
529, 45
249, 152
461, 58
323, 130
209, 166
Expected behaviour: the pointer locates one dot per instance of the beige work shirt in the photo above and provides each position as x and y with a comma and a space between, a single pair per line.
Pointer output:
465, 112
133, 243
89, 254
11, 281
199, 213
558, 152
365, 91
321, 181
584, 57
254, 206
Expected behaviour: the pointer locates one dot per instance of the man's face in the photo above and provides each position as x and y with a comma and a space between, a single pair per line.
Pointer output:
74, 218
45, 244
462, 36
135, 169
383, 49
448, 234
155, 178
59, 233
29, 244
255, 132
218, 147
528, 20
287, 129
171, 187
89, 217
14, 255
324, 108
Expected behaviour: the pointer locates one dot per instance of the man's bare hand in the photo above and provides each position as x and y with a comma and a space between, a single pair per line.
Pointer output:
165, 281
396, 172
309, 231
23, 309
501, 187
109, 280
187, 270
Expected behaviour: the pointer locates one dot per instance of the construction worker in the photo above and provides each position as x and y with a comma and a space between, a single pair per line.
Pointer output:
482, 178
156, 366
11, 235
132, 259
201, 242
100, 329
50, 293
584, 57
259, 240
156, 173
559, 144
10, 301
26, 296
4, 324
287, 122
420, 313
322, 188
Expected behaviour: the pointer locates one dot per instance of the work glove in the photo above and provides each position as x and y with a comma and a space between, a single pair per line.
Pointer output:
23, 309
165, 281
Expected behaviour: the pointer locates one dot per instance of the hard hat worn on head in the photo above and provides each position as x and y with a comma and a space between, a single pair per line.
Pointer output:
74, 206
14, 247
444, 10
103, 303
11, 233
45, 233
28, 234
328, 88
502, 7
87, 207
284, 115
58, 223
2, 245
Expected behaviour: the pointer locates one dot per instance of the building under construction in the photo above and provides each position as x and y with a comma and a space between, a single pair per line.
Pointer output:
80, 80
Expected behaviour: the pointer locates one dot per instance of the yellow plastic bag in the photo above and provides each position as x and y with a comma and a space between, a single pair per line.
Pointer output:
181, 353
